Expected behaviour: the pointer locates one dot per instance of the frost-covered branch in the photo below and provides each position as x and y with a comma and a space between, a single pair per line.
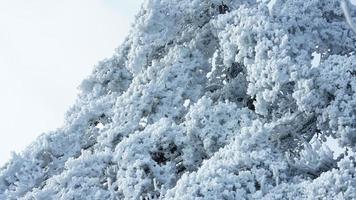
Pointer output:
345, 5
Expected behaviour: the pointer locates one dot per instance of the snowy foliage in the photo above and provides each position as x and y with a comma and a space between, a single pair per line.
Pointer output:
203, 104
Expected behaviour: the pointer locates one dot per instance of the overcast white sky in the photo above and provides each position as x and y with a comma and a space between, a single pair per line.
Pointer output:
46, 48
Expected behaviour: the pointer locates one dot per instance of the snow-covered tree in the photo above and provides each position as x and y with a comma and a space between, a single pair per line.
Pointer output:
205, 103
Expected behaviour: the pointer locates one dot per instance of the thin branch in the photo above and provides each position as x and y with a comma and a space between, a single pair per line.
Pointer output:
345, 6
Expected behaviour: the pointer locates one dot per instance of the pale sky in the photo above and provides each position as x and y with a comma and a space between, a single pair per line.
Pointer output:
47, 47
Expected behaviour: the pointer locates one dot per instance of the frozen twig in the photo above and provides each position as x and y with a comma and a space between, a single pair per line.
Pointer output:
346, 9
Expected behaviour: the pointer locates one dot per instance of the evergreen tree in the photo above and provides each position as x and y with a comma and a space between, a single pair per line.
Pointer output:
203, 104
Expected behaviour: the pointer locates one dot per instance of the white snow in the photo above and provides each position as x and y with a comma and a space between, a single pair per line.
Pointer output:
201, 105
